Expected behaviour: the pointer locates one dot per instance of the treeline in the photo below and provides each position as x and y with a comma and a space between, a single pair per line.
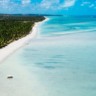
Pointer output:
12, 28
21, 18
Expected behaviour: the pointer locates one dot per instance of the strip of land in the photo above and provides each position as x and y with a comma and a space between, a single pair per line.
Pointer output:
21, 82
15, 27
8, 47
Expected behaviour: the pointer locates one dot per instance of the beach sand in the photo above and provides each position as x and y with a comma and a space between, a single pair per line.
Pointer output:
6, 51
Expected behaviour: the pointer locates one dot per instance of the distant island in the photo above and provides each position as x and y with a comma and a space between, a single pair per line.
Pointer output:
14, 27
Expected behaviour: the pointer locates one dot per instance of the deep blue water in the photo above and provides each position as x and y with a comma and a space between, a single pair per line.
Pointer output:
65, 65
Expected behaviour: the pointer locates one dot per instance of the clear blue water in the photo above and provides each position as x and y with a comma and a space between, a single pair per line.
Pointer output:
64, 57
62, 25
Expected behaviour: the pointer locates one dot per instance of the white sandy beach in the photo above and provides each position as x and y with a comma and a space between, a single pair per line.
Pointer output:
6, 51
20, 84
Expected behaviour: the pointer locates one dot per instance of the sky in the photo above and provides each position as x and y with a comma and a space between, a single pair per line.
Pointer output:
65, 7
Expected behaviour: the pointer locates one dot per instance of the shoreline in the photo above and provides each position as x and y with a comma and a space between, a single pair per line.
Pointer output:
12, 47
23, 82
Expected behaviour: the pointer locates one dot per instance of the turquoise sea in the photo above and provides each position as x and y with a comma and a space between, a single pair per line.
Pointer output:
62, 57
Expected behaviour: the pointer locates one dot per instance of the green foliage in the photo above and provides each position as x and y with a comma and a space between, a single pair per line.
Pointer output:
11, 30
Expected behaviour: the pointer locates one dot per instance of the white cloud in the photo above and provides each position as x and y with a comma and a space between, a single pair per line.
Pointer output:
68, 3
4, 3
49, 3
55, 4
89, 4
85, 3
43, 5
26, 2
92, 5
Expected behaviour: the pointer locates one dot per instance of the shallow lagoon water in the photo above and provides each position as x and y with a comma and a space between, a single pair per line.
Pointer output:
62, 59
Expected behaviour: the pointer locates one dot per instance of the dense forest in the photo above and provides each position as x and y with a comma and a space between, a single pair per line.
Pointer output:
14, 27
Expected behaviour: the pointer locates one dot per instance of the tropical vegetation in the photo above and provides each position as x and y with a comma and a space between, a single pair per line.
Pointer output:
15, 27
